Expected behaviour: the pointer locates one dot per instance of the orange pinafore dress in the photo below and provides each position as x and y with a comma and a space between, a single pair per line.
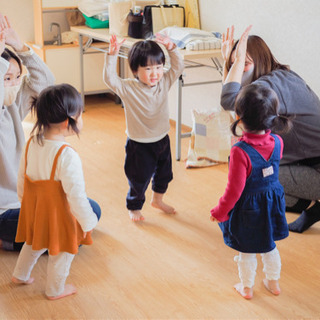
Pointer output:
45, 219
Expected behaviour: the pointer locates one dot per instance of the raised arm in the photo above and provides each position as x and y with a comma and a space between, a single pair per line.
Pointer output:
176, 60
3, 68
2, 42
226, 48
114, 45
110, 75
232, 79
38, 77
236, 71
11, 37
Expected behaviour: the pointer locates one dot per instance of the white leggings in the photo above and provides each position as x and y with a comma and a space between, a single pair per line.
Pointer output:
57, 269
247, 266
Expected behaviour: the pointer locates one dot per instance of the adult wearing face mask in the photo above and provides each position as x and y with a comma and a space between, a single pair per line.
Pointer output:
15, 93
249, 60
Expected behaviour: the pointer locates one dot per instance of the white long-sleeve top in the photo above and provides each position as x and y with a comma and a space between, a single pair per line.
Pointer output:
68, 171
146, 108
12, 137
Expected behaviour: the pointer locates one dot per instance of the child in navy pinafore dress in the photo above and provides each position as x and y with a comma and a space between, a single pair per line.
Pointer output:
261, 206
251, 213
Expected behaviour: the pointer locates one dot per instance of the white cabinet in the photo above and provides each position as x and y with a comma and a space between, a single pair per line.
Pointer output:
65, 64
64, 60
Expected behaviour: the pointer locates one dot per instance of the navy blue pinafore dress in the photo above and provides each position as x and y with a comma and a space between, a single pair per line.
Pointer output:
258, 218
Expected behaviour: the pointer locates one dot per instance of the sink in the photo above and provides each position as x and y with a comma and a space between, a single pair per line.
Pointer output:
49, 42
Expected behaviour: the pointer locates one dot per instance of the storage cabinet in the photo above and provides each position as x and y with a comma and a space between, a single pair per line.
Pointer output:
64, 60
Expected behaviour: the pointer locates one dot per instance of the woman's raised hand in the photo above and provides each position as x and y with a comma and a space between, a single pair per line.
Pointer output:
114, 45
11, 37
227, 43
241, 50
2, 43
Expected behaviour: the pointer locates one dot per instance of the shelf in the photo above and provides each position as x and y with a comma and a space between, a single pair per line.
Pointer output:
59, 9
64, 60
59, 3
54, 46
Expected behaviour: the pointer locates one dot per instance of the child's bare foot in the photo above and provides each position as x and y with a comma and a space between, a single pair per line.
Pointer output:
135, 215
69, 289
18, 281
157, 202
246, 292
272, 286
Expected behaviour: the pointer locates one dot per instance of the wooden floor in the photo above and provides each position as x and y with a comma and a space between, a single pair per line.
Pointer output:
167, 267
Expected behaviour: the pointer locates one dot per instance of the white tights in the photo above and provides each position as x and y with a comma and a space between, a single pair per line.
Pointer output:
57, 269
247, 266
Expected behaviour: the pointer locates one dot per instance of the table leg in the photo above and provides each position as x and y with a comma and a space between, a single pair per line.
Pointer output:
81, 67
178, 120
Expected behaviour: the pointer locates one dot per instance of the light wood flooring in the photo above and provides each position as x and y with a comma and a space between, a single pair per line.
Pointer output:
167, 267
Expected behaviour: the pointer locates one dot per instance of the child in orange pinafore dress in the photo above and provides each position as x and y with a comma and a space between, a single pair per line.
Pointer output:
56, 214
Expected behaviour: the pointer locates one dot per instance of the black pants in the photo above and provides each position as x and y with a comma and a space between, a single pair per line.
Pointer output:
143, 162
300, 181
8, 229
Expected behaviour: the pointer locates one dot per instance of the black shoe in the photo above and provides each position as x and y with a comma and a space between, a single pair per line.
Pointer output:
301, 205
306, 219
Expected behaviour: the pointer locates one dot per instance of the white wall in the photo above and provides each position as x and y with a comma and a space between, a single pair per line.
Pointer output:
20, 13
291, 28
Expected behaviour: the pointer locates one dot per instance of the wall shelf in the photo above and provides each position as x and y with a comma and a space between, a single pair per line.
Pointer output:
64, 60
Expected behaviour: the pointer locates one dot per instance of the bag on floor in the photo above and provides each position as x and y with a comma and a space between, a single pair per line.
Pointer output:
211, 138
156, 18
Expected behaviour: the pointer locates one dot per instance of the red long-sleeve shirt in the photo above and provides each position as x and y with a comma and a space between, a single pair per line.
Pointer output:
240, 169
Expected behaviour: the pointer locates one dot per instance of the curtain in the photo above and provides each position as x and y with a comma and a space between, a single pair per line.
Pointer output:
192, 13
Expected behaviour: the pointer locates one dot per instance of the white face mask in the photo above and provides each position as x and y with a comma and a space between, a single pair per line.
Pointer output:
10, 94
247, 77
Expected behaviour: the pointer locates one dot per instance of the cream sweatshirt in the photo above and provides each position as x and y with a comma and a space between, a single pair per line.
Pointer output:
12, 138
146, 108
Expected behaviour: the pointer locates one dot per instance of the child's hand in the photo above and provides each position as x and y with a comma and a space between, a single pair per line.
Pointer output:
11, 37
166, 41
213, 219
114, 45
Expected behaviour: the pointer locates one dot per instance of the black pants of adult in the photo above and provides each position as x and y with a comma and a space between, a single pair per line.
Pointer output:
300, 180
146, 161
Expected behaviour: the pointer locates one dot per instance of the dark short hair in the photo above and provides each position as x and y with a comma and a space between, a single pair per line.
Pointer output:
257, 107
8, 55
56, 104
144, 53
